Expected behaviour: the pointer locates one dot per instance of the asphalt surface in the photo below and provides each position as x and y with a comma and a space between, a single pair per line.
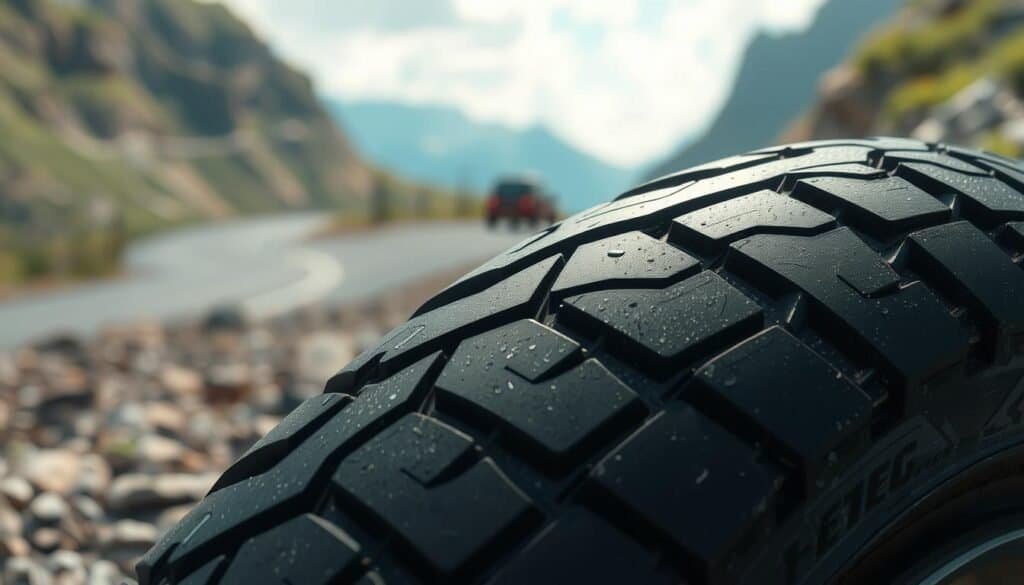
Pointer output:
266, 265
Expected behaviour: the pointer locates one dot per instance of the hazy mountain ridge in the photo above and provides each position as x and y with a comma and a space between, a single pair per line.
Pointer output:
776, 81
441, 145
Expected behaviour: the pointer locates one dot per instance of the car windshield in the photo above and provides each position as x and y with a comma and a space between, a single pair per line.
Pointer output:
512, 190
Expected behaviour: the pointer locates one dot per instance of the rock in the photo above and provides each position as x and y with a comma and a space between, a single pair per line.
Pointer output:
46, 539
145, 333
94, 475
10, 522
48, 508
65, 344
971, 111
25, 571
17, 490
129, 415
87, 424
259, 340
204, 428
166, 417
136, 491
131, 534
180, 381
195, 462
29, 396
53, 470
88, 508
9, 374
126, 541
76, 532
68, 389
78, 445
14, 546
67, 567
5, 418
104, 572
158, 451
227, 383
226, 318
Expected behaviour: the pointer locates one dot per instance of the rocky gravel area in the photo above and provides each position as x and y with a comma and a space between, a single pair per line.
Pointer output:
106, 442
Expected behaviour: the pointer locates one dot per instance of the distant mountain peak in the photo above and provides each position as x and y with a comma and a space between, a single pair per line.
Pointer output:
443, 146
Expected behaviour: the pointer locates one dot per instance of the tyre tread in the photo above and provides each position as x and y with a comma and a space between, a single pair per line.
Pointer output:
895, 311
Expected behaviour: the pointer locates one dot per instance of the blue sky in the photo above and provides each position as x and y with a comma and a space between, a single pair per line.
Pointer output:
624, 81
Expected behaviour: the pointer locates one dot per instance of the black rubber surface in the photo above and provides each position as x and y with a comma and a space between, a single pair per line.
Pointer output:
734, 374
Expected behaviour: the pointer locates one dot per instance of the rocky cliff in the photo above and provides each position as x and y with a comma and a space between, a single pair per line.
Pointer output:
941, 70
139, 113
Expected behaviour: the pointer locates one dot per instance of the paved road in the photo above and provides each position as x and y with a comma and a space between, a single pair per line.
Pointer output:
267, 265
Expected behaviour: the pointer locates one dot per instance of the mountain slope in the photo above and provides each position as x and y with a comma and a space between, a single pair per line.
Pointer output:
941, 71
777, 79
121, 116
442, 146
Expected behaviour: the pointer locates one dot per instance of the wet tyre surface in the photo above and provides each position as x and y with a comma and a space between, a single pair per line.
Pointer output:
734, 374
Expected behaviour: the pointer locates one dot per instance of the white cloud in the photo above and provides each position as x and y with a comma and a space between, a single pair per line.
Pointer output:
622, 80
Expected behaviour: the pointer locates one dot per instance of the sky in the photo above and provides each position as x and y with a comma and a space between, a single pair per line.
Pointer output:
624, 81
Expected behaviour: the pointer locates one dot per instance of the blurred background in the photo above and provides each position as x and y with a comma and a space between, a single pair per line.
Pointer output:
207, 208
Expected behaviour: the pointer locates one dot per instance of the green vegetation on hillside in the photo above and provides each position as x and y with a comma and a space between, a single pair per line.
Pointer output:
938, 57
908, 72
909, 48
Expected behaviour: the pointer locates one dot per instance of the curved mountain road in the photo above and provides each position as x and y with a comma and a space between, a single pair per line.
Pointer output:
266, 265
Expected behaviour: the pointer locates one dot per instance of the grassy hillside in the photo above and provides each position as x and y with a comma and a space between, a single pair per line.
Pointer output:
119, 117
942, 70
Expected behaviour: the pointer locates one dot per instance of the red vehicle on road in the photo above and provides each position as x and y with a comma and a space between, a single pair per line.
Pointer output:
519, 199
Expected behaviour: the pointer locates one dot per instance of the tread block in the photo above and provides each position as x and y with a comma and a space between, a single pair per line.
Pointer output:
230, 510
795, 400
981, 157
300, 423
906, 328
561, 416
874, 143
525, 347
1013, 234
696, 484
894, 157
763, 211
649, 324
703, 171
985, 197
879, 206
370, 578
582, 548
306, 549
977, 273
631, 258
515, 297
409, 477
838, 170
206, 574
